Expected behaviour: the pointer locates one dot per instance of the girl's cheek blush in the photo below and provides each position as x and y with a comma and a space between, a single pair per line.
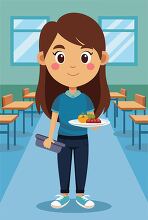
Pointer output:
55, 66
90, 66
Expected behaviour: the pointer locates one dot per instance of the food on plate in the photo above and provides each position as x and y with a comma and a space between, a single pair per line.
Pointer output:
92, 119
82, 118
88, 118
95, 120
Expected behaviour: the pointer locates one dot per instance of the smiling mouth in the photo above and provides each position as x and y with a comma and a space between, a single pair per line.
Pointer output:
73, 74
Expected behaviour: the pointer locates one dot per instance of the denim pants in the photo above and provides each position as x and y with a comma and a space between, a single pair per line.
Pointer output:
77, 145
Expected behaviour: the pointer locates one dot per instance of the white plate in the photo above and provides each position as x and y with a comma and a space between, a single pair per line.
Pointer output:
75, 122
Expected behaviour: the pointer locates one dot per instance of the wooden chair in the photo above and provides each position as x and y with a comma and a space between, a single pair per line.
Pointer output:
123, 92
140, 99
9, 105
7, 120
125, 106
7, 99
25, 92
116, 96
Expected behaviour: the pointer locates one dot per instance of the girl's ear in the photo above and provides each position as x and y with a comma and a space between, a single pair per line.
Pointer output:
40, 58
104, 58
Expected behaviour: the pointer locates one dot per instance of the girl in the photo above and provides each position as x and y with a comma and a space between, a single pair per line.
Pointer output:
71, 56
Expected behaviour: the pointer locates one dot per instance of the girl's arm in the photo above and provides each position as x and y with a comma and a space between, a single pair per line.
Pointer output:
49, 140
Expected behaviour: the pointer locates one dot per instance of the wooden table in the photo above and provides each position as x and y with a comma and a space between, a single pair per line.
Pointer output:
125, 106
116, 96
30, 95
140, 120
6, 120
21, 106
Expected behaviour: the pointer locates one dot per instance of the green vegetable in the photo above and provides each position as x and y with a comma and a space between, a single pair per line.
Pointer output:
90, 116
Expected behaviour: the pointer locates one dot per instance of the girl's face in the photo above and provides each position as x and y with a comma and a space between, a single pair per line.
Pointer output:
70, 64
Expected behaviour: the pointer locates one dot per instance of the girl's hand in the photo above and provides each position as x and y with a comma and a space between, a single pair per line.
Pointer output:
47, 143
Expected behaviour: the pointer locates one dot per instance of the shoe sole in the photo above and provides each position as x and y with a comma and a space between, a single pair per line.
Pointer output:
84, 206
55, 207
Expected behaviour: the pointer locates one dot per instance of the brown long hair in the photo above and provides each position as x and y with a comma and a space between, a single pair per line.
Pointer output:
73, 26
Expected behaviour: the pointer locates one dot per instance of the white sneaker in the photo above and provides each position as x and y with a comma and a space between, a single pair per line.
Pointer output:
84, 202
60, 202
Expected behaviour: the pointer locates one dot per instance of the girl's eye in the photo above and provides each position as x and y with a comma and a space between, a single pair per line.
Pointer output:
59, 57
85, 57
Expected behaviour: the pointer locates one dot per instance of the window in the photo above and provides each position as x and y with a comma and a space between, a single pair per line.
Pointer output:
121, 39
25, 32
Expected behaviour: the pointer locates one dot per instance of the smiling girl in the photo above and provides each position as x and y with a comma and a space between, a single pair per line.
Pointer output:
72, 60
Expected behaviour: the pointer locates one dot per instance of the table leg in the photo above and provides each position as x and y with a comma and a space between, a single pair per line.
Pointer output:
139, 136
23, 121
12, 112
7, 136
145, 112
133, 132
14, 132
3, 111
32, 115
123, 122
114, 116
135, 112
117, 106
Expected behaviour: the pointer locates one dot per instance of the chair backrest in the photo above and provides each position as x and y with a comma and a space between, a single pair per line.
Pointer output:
7, 99
25, 91
123, 91
140, 99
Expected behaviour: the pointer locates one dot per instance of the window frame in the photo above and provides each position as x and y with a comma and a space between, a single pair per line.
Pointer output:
12, 31
135, 31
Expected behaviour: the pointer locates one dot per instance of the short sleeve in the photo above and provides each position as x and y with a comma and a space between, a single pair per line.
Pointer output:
90, 105
56, 104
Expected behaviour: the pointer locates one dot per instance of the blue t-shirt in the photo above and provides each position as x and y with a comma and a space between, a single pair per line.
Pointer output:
69, 107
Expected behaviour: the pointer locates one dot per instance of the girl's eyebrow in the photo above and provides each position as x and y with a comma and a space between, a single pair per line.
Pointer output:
59, 47
86, 47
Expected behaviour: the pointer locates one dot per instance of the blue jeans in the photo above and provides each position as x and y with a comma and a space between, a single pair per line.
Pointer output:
79, 146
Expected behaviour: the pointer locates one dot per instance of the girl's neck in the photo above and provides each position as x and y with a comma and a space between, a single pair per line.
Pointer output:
72, 89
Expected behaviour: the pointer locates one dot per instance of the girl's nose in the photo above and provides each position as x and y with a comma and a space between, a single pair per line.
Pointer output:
72, 66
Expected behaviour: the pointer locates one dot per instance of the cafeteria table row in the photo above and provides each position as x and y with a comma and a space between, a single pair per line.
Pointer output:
7, 118
20, 106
